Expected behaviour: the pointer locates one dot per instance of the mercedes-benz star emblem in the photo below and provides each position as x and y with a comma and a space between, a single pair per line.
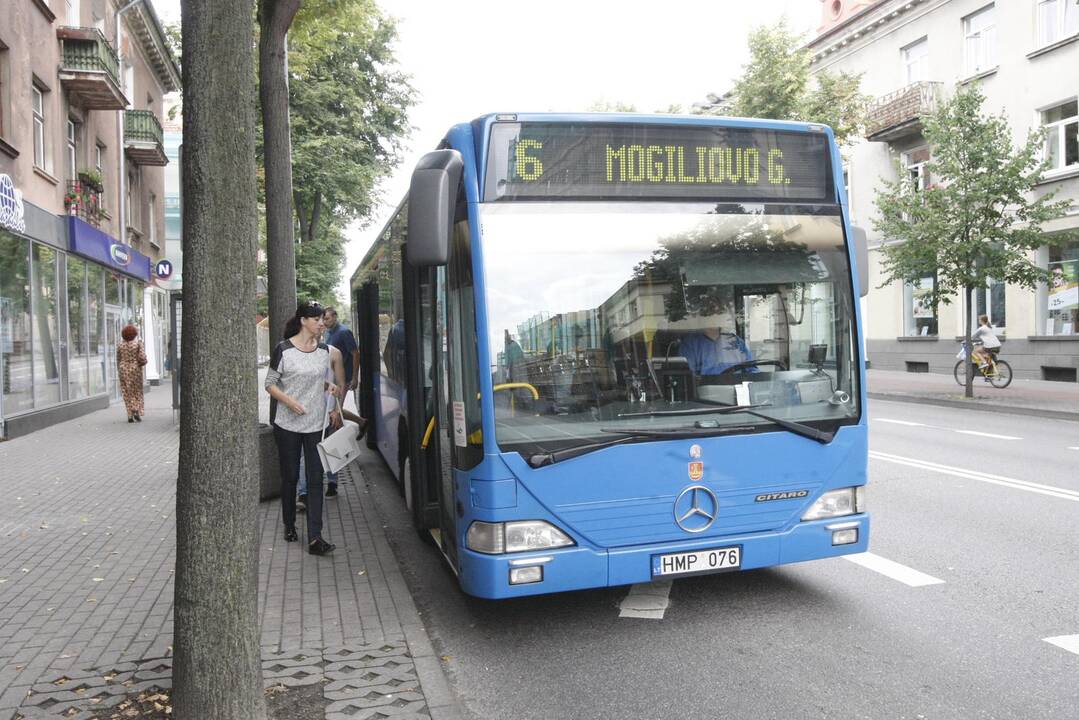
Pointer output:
696, 508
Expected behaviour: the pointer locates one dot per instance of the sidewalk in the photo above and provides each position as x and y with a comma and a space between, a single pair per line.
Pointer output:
1023, 397
87, 551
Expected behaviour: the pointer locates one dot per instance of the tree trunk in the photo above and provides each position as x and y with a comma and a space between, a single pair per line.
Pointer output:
969, 314
275, 17
216, 670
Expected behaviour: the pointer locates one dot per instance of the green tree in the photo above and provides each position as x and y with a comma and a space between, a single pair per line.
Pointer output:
349, 103
777, 84
980, 218
217, 671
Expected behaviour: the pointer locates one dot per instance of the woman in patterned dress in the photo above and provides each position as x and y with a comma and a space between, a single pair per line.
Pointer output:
130, 358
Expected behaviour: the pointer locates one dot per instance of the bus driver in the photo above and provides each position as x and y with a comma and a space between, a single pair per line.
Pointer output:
713, 349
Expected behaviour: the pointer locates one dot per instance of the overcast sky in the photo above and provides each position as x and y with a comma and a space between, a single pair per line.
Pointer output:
471, 57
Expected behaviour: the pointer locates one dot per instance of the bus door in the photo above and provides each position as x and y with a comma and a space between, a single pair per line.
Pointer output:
444, 422
422, 477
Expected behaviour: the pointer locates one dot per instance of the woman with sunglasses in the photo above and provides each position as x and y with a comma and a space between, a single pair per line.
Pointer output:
298, 389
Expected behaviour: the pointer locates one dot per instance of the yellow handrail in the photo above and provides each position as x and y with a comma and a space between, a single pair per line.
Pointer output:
504, 386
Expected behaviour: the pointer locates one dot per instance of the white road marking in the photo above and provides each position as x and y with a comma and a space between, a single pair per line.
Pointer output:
899, 422
1062, 493
1073, 448
892, 569
647, 600
1068, 642
988, 435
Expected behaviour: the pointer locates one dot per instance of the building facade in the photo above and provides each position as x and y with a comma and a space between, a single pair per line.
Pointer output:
1024, 54
81, 201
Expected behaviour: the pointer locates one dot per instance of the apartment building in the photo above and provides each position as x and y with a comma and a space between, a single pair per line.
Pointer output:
1024, 54
81, 200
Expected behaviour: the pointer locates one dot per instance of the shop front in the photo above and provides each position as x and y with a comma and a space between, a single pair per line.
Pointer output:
66, 290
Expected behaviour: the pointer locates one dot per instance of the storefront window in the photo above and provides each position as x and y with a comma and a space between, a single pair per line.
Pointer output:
78, 382
17, 370
95, 311
113, 286
921, 314
46, 329
1063, 298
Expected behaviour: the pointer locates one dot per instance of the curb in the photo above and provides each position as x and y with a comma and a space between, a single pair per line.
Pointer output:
974, 405
442, 703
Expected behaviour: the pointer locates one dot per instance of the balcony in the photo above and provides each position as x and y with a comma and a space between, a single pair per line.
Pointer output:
144, 142
90, 70
899, 114
83, 201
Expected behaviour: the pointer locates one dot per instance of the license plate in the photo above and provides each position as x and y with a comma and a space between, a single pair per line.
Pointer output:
697, 561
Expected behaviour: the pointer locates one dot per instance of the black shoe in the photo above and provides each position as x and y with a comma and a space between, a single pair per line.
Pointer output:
138, 418
318, 546
301, 503
290, 535
131, 419
331, 490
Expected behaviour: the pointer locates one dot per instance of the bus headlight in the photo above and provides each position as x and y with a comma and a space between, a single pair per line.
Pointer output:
517, 536
836, 503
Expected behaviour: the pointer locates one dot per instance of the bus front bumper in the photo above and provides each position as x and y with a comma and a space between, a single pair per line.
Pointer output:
579, 568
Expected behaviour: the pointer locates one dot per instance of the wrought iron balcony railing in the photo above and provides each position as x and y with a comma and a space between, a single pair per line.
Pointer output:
143, 138
90, 69
899, 114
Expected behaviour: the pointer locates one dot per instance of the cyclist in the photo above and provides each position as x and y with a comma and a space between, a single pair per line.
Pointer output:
986, 343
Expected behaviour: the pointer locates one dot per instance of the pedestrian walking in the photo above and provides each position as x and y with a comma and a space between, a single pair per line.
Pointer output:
340, 337
130, 359
298, 388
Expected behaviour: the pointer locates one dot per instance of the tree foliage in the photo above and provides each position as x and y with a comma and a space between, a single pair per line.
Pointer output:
980, 217
777, 84
349, 104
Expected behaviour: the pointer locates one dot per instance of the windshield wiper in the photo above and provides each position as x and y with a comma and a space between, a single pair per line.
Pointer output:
704, 428
795, 427
714, 410
553, 456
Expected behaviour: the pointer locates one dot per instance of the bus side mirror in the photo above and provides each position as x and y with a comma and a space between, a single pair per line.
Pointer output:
432, 198
861, 256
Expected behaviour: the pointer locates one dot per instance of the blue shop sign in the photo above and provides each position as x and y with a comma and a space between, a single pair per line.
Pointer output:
86, 240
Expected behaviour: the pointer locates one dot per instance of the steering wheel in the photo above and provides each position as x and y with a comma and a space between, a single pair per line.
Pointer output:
753, 363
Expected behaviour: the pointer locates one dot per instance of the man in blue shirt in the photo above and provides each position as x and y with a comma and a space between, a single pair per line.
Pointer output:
712, 350
341, 338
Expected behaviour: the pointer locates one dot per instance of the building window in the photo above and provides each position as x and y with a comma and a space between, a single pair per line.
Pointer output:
921, 313
45, 306
151, 219
1062, 135
15, 346
4, 83
74, 13
99, 165
915, 162
980, 41
990, 301
1063, 298
37, 96
916, 61
1057, 19
72, 150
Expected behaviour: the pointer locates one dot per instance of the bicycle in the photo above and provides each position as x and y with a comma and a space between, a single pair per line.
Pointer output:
997, 372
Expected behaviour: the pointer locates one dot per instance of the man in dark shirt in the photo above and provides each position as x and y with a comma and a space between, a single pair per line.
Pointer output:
341, 338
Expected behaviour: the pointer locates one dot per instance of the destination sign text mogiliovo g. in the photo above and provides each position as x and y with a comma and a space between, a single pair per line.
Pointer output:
532, 161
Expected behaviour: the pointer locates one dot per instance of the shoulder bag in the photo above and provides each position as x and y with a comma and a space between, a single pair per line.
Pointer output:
341, 447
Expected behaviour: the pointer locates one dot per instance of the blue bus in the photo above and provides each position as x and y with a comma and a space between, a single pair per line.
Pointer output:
605, 349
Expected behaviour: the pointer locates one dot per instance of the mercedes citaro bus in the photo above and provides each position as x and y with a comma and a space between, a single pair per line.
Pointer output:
604, 349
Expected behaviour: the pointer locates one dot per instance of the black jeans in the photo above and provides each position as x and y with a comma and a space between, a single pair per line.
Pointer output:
288, 452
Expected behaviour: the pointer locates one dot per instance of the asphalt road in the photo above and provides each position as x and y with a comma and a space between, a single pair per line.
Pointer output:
980, 531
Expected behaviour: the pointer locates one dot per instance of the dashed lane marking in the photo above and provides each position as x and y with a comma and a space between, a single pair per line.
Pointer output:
988, 435
900, 422
890, 568
1073, 448
647, 601
1068, 642
1051, 491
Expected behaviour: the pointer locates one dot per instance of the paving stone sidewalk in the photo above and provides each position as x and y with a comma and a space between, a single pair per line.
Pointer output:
87, 552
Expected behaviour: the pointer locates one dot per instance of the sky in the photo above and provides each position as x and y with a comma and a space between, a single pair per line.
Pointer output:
471, 57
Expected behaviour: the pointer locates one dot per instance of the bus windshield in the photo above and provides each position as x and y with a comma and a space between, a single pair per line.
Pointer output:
612, 317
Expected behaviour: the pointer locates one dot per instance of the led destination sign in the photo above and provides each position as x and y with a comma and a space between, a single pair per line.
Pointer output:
529, 161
